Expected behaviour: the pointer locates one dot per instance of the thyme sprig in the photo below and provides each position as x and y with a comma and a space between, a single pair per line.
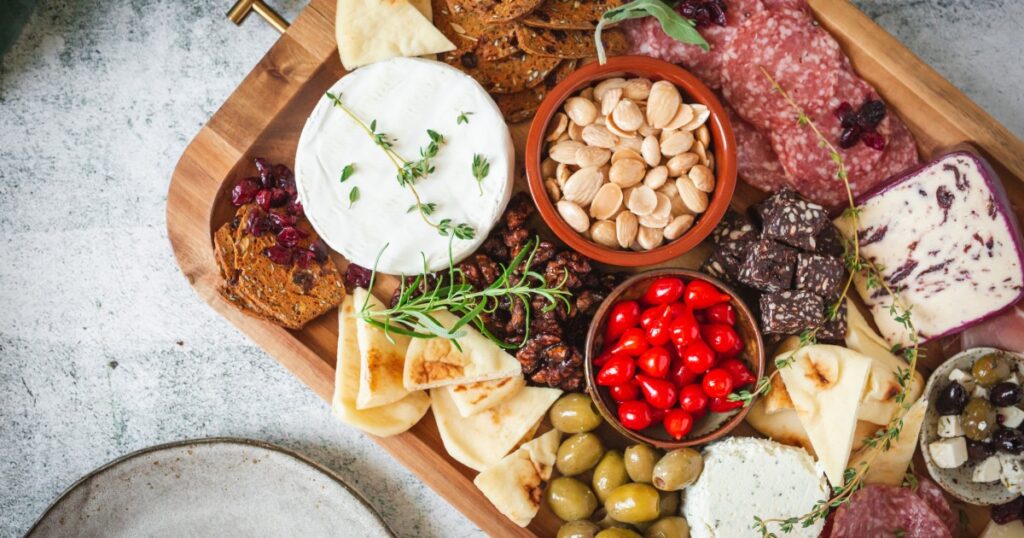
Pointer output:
856, 264
413, 313
408, 172
481, 167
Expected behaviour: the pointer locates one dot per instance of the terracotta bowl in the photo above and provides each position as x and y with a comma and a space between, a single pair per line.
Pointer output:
711, 426
693, 90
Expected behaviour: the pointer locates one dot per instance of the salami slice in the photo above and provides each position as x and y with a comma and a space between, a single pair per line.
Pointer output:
799, 55
932, 494
877, 511
756, 162
900, 151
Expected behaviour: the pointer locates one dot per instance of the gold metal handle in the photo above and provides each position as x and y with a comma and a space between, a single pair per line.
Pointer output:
241, 10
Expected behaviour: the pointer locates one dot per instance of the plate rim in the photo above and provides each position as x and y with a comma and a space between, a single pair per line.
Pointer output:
227, 440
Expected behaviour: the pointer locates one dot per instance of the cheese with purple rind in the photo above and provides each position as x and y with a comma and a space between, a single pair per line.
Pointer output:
946, 242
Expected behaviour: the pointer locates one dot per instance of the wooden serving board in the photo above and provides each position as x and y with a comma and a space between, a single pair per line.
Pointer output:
265, 114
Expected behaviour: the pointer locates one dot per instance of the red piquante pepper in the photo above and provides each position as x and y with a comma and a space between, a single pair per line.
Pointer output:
684, 328
623, 315
701, 294
693, 400
722, 313
717, 383
741, 375
723, 405
698, 357
655, 361
617, 370
625, 392
664, 290
722, 338
635, 414
680, 374
633, 342
660, 393
678, 423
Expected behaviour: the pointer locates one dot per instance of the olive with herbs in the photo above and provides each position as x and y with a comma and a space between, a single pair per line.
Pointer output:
979, 419
990, 369
951, 400
570, 499
574, 413
578, 454
1004, 394
1007, 512
978, 450
633, 503
640, 460
677, 469
668, 527
609, 474
578, 529
1009, 440
618, 532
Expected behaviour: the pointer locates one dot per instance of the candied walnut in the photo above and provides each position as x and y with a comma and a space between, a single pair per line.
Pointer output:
520, 207
516, 238
571, 266
588, 300
494, 247
480, 271
531, 355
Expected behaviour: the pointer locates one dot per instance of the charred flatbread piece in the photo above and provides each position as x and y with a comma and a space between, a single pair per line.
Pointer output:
515, 485
382, 358
469, 30
521, 106
369, 31
570, 14
516, 73
473, 398
436, 362
569, 44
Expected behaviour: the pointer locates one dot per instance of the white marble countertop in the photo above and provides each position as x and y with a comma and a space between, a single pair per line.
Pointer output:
105, 349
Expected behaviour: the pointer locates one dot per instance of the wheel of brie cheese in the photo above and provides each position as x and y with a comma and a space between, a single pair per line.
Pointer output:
349, 185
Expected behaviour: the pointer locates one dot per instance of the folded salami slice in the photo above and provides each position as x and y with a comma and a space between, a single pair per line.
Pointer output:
900, 152
888, 511
936, 499
756, 162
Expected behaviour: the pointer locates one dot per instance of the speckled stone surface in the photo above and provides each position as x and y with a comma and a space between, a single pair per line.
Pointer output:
104, 348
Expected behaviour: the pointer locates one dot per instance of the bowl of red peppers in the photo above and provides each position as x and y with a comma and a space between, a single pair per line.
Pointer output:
664, 352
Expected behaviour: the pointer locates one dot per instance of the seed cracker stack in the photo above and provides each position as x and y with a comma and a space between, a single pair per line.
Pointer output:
519, 49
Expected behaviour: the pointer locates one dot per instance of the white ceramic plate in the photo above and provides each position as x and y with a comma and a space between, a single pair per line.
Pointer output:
210, 487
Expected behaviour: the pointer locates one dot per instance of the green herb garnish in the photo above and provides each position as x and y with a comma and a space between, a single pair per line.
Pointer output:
347, 172
480, 170
426, 209
353, 195
680, 28
463, 118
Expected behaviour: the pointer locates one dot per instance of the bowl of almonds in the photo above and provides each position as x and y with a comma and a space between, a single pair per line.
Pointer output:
631, 163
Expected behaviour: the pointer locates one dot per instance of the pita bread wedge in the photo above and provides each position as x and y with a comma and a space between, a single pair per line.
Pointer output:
369, 31
481, 440
825, 384
385, 420
473, 398
436, 362
382, 359
515, 485
889, 466
784, 426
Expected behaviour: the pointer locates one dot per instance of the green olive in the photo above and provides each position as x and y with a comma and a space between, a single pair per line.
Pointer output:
678, 469
990, 369
605, 521
668, 527
618, 532
633, 503
640, 460
979, 419
578, 529
609, 474
574, 413
570, 499
579, 453
669, 505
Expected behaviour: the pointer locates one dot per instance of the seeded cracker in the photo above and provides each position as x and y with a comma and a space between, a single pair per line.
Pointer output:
570, 14
571, 44
790, 312
521, 106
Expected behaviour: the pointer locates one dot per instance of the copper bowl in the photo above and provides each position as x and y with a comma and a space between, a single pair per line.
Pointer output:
693, 90
706, 429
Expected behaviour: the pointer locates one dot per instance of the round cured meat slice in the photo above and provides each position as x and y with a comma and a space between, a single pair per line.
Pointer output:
900, 151
804, 60
756, 162
932, 494
798, 5
887, 511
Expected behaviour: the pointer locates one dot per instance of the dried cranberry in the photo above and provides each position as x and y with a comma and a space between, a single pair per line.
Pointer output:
303, 258
469, 60
704, 12
304, 280
357, 276
873, 140
266, 177
871, 113
290, 236
263, 199
279, 254
244, 192
319, 250
1008, 512
278, 197
258, 224
844, 112
849, 137
235, 222
282, 219
295, 208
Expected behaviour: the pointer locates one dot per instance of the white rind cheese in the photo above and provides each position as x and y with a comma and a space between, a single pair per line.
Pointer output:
406, 97
745, 477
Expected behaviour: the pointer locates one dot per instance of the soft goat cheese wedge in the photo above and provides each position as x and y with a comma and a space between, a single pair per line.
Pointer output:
745, 477
947, 241
406, 97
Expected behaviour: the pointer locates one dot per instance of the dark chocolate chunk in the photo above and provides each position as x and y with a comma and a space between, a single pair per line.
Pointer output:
833, 330
769, 266
735, 234
830, 242
790, 312
795, 222
723, 266
819, 274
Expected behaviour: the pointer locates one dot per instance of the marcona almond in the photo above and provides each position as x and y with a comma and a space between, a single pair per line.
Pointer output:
607, 201
702, 177
562, 173
677, 227
662, 104
587, 93
565, 152
678, 207
681, 164
694, 200
651, 150
582, 185
592, 156
682, 116
626, 226
625, 153
700, 115
557, 127
649, 238
607, 84
647, 130
615, 130
701, 151
548, 167
575, 132
634, 143
656, 177
610, 99
637, 89
573, 215
603, 232
597, 135
676, 143
564, 137
711, 161
642, 201
553, 190
627, 115
627, 172
704, 135
581, 110
664, 207
654, 221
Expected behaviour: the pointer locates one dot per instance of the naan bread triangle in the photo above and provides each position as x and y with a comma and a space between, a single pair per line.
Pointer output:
890, 466
473, 398
515, 485
437, 362
369, 31
382, 358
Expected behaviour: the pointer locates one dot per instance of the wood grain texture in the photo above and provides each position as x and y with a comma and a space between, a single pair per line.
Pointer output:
265, 115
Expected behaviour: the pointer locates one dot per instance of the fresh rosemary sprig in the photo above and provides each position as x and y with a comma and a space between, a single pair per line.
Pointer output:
408, 172
413, 313
881, 441
480, 170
